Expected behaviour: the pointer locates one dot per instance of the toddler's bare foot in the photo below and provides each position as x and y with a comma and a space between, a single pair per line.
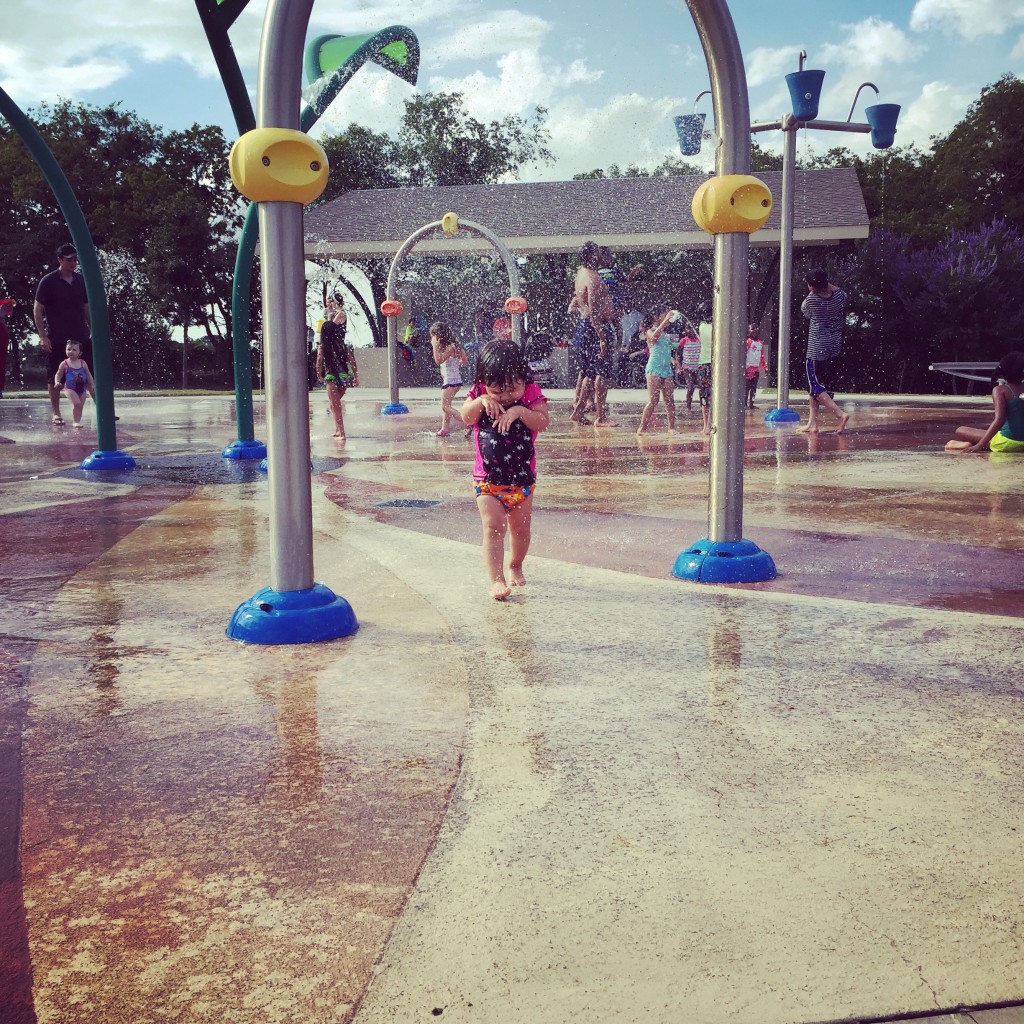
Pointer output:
581, 420
517, 577
808, 428
842, 423
442, 433
605, 423
500, 590
340, 435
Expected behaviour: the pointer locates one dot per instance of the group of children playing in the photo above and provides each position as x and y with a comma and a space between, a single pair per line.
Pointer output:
505, 410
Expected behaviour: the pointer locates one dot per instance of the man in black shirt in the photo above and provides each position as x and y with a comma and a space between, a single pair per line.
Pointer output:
61, 314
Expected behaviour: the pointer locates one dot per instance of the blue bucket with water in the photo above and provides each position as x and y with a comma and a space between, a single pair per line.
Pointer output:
882, 118
690, 129
805, 92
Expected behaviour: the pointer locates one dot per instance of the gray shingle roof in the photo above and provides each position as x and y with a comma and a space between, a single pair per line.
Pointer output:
559, 216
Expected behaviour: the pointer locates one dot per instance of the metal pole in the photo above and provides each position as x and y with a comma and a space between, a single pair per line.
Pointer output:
789, 129
732, 122
282, 260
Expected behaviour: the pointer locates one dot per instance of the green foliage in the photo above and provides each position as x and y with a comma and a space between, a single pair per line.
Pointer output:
161, 200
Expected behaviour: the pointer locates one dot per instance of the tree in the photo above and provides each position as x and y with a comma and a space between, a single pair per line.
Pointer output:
160, 199
979, 173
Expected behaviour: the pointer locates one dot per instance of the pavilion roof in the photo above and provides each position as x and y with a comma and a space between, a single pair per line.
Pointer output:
626, 214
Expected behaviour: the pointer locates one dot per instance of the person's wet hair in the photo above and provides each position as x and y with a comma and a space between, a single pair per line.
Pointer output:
1010, 369
652, 318
500, 364
703, 311
444, 334
817, 278
590, 253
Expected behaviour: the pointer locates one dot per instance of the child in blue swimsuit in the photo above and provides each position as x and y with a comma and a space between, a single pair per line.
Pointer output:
74, 378
506, 411
1006, 431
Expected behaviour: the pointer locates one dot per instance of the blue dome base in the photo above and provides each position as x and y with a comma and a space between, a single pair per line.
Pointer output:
245, 450
116, 462
775, 417
292, 617
738, 561
394, 409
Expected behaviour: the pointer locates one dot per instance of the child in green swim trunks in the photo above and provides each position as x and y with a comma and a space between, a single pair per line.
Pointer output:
1006, 431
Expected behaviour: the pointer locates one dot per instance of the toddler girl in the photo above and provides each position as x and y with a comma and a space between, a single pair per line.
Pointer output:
506, 411
73, 373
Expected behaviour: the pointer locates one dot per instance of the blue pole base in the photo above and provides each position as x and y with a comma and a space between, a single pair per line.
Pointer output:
724, 561
394, 409
245, 450
112, 462
292, 617
776, 417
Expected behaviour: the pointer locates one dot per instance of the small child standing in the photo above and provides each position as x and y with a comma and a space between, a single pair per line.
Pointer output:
755, 363
1006, 431
73, 373
450, 356
687, 361
506, 411
336, 363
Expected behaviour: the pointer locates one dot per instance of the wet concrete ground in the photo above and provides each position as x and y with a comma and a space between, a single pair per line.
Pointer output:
615, 797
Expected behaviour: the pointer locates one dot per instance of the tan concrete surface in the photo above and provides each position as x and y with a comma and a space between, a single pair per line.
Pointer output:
797, 801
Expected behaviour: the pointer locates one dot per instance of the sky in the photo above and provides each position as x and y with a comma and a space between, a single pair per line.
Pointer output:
612, 75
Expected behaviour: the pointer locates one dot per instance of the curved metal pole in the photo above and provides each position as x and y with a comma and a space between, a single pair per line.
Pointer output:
240, 323
279, 85
700, 96
721, 46
863, 85
103, 365
392, 287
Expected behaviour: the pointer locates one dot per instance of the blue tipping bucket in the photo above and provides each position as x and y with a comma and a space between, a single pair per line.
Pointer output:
805, 92
882, 118
690, 129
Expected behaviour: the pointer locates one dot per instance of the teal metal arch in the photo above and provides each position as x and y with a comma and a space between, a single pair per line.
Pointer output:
107, 456
330, 62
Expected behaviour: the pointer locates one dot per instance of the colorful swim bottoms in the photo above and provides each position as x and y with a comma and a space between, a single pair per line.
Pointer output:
342, 380
1002, 443
509, 495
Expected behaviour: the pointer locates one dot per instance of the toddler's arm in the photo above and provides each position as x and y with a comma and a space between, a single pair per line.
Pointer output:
58, 377
473, 408
90, 384
536, 417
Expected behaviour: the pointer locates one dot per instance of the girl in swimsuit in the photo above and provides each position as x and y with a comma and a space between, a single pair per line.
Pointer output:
74, 376
450, 357
506, 411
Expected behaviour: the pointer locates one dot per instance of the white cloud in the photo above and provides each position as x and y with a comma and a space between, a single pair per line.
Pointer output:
767, 65
938, 108
524, 80
968, 18
1017, 53
872, 45
628, 129
497, 33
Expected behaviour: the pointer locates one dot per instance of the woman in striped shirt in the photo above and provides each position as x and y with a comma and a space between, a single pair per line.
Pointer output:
825, 308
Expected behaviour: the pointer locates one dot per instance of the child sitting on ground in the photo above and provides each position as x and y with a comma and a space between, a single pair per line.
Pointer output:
1006, 431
